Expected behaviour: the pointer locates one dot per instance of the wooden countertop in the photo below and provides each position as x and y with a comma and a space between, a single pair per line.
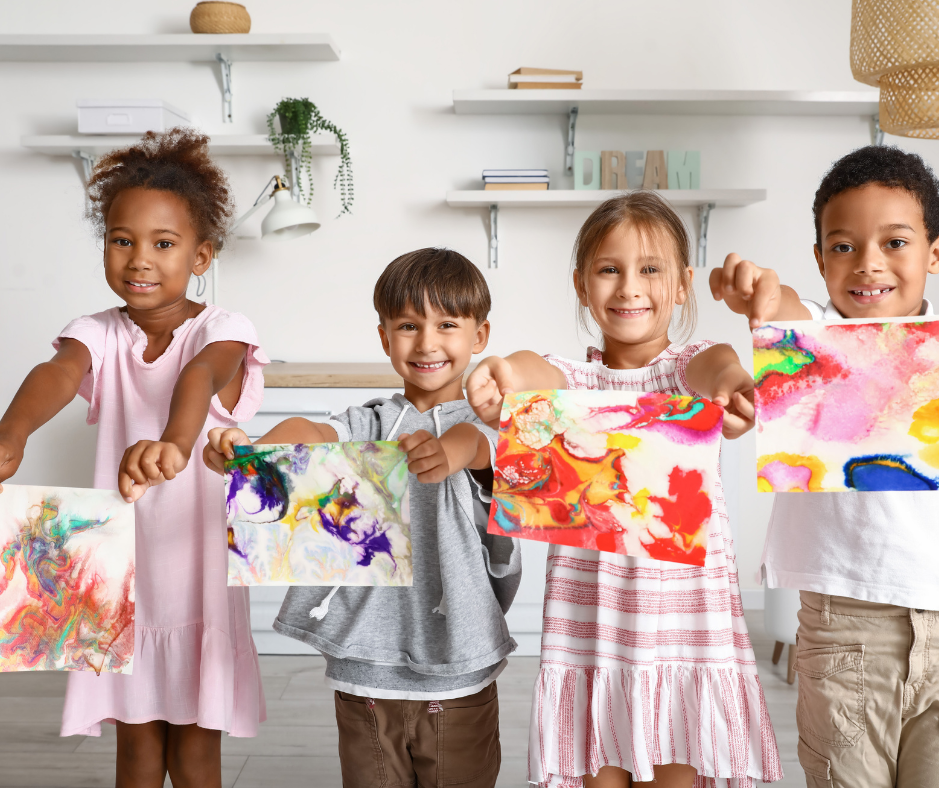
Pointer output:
331, 375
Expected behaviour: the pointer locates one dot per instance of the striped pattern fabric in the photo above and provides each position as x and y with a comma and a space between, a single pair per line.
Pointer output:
645, 662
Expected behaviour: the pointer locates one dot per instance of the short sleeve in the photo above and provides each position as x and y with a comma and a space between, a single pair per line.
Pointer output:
92, 332
358, 423
681, 364
234, 327
817, 311
577, 375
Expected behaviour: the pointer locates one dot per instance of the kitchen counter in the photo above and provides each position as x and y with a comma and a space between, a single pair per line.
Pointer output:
331, 375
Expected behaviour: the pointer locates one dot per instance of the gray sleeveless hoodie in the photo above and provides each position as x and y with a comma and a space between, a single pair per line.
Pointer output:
448, 630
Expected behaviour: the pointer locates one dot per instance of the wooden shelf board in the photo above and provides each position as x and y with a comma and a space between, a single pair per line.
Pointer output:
185, 47
562, 198
220, 144
326, 375
666, 102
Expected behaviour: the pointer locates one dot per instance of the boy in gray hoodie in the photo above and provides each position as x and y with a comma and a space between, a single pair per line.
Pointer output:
414, 668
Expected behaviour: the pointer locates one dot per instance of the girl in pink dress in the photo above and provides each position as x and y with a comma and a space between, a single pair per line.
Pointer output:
647, 672
158, 372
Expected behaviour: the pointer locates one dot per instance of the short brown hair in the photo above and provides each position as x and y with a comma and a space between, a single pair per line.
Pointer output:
440, 277
650, 215
176, 161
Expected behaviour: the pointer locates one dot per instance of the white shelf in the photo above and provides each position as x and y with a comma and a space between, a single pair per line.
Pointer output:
563, 198
185, 47
220, 144
665, 102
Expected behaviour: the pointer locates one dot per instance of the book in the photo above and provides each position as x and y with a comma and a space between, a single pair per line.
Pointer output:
517, 179
514, 173
507, 187
542, 78
545, 86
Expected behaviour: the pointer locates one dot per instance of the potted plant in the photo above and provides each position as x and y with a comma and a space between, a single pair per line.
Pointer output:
299, 118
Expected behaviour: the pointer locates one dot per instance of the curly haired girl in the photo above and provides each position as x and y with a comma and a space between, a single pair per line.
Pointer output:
157, 373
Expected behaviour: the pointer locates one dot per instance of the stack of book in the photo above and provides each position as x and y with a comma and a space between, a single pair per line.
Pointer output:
498, 180
545, 79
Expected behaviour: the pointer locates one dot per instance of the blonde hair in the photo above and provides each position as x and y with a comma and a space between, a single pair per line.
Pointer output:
651, 216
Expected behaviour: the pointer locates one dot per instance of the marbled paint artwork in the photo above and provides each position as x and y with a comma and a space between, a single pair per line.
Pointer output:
631, 473
323, 514
66, 580
847, 405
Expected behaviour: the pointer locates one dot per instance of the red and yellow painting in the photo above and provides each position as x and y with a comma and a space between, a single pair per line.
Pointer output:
624, 472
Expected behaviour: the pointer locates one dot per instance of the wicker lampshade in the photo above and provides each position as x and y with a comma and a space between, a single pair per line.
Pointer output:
895, 45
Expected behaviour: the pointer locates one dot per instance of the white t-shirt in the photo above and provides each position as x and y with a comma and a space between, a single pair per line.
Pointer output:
876, 546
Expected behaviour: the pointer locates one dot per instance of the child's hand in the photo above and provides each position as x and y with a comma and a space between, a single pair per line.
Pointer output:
220, 447
147, 464
426, 456
747, 289
11, 455
733, 391
487, 386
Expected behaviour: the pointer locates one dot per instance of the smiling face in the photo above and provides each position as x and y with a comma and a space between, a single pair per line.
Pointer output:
875, 252
432, 351
631, 287
151, 248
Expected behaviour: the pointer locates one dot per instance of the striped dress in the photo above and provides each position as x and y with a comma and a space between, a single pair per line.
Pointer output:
645, 662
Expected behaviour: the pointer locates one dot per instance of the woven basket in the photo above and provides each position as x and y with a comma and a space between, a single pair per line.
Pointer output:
895, 45
212, 16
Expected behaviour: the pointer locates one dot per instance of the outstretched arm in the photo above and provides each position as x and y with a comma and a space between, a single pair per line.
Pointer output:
755, 292
148, 463
716, 373
495, 377
48, 388
295, 430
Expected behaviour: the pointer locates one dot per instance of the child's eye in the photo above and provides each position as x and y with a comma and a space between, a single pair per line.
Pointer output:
842, 248
609, 269
896, 243
448, 325
120, 242
649, 269
164, 244
407, 327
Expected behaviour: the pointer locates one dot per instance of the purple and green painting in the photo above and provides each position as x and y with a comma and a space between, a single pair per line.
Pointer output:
321, 514
848, 405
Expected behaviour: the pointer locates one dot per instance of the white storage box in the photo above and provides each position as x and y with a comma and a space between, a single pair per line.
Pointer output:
127, 116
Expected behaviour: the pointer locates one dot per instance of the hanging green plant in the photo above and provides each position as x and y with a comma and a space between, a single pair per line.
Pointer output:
299, 118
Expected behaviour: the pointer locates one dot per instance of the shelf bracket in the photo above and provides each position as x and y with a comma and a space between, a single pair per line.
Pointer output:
294, 174
877, 133
225, 65
704, 218
88, 162
569, 151
493, 236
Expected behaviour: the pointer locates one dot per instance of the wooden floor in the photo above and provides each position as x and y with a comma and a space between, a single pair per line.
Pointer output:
296, 747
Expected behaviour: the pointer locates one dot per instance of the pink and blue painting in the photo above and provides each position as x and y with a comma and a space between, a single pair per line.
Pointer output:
320, 514
616, 471
847, 405
66, 580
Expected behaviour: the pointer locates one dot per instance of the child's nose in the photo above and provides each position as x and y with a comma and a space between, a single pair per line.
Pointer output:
870, 260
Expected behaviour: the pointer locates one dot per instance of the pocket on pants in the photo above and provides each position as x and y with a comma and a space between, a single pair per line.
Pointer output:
360, 756
817, 768
831, 694
468, 741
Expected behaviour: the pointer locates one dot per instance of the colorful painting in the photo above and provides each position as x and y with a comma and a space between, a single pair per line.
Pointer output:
847, 405
66, 580
631, 473
331, 514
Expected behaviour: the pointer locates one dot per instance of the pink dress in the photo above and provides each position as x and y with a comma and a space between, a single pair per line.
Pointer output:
194, 658
645, 662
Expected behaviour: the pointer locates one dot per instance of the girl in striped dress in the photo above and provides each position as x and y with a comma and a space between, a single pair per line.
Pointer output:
647, 672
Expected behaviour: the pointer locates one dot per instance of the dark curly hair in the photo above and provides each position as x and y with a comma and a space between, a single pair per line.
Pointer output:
176, 161
885, 165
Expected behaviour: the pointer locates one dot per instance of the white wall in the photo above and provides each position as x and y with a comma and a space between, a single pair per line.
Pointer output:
311, 299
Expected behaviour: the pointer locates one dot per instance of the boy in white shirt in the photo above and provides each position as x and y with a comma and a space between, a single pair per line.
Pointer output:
865, 562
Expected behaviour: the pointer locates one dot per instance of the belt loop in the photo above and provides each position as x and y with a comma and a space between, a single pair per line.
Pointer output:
826, 609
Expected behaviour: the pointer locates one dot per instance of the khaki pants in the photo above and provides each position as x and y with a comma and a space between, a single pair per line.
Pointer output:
396, 743
868, 710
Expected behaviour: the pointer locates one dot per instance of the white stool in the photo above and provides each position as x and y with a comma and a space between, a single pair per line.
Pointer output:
781, 618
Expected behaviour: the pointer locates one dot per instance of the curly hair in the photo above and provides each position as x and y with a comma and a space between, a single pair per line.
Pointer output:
176, 161
887, 166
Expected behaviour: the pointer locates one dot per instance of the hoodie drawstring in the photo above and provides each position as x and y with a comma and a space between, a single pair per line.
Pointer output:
319, 612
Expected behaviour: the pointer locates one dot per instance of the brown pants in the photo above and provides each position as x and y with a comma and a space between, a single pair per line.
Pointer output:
868, 708
397, 743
